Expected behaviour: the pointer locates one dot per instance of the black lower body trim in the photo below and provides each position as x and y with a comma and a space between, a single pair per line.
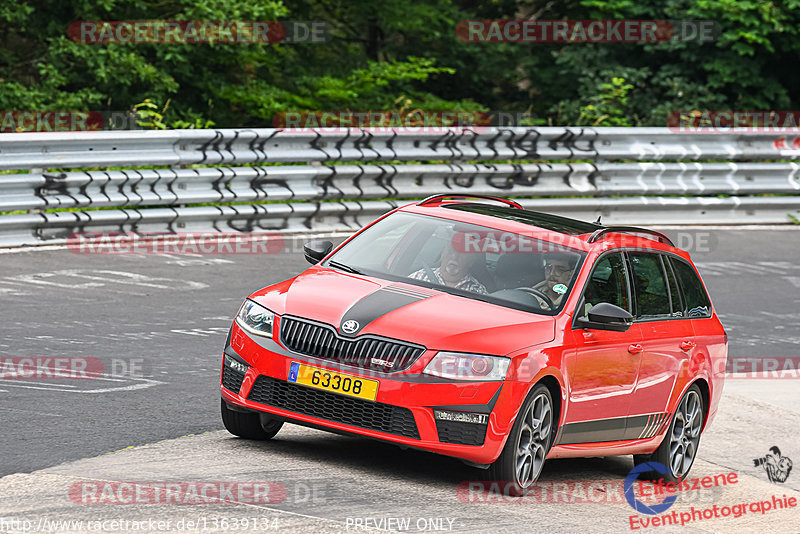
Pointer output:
460, 433
614, 429
336, 431
232, 379
332, 407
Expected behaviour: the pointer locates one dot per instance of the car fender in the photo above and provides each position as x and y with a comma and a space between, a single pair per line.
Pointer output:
697, 365
537, 363
532, 369
273, 297
681, 387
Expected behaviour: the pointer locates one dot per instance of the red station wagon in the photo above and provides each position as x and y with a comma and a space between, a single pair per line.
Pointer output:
471, 327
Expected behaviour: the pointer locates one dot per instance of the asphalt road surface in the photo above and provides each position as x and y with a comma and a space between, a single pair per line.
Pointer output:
310, 481
160, 322
165, 318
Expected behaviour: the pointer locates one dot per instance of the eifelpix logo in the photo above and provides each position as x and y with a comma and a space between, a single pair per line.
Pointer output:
636, 504
777, 467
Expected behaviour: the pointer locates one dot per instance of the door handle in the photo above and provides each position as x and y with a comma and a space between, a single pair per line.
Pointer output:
687, 346
635, 348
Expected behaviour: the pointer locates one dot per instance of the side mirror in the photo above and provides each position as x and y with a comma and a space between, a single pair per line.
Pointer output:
606, 316
317, 249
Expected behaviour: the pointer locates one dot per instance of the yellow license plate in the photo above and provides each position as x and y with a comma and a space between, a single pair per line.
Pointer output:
341, 383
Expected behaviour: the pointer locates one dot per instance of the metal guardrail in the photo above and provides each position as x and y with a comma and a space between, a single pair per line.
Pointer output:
627, 175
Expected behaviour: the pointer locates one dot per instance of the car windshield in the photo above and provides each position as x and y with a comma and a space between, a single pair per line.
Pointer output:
477, 262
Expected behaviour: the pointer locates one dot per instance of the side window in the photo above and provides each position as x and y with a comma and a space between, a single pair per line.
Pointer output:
697, 302
650, 286
675, 293
607, 283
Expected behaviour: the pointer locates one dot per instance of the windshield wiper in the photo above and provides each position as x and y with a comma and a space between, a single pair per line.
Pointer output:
343, 267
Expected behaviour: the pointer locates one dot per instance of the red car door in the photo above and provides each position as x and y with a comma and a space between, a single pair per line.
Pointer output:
603, 364
667, 342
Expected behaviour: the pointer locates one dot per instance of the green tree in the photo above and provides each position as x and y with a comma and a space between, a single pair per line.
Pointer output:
400, 54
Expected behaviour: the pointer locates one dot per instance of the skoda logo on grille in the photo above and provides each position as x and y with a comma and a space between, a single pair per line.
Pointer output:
348, 327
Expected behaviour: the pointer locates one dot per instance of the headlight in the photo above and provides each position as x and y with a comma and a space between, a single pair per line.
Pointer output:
255, 319
468, 366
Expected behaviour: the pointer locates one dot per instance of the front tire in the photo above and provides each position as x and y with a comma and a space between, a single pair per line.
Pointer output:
522, 459
249, 425
679, 449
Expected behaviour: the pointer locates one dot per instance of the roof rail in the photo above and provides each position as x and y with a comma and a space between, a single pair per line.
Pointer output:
434, 198
597, 234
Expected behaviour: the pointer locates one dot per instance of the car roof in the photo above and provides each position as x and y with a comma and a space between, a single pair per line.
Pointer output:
512, 217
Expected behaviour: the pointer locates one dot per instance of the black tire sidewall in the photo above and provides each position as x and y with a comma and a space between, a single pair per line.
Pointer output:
503, 470
661, 455
246, 425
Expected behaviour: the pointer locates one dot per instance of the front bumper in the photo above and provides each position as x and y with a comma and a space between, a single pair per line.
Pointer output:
403, 410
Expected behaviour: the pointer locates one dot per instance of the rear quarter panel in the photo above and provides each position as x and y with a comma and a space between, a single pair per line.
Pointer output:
712, 344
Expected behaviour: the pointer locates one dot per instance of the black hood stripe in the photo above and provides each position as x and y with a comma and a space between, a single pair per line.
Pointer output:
377, 304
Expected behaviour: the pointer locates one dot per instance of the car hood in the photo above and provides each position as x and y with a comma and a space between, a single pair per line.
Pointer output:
435, 319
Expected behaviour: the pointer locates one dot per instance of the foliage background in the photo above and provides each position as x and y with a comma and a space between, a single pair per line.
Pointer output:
400, 54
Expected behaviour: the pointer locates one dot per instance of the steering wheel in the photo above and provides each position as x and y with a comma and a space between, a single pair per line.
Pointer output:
547, 300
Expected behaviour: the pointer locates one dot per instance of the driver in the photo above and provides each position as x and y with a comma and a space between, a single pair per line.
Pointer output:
453, 271
557, 274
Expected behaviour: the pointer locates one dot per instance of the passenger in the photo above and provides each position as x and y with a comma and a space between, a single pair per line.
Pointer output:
453, 271
557, 275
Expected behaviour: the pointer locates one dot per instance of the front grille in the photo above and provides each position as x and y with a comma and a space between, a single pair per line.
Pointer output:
232, 379
322, 341
333, 407
460, 433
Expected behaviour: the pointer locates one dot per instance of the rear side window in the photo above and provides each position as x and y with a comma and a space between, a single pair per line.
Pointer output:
650, 286
674, 292
608, 283
694, 295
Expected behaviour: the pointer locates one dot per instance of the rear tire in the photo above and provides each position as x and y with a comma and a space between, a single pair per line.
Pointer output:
531, 437
678, 450
249, 425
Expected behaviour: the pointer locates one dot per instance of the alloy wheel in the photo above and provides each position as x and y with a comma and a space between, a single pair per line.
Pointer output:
534, 437
685, 434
